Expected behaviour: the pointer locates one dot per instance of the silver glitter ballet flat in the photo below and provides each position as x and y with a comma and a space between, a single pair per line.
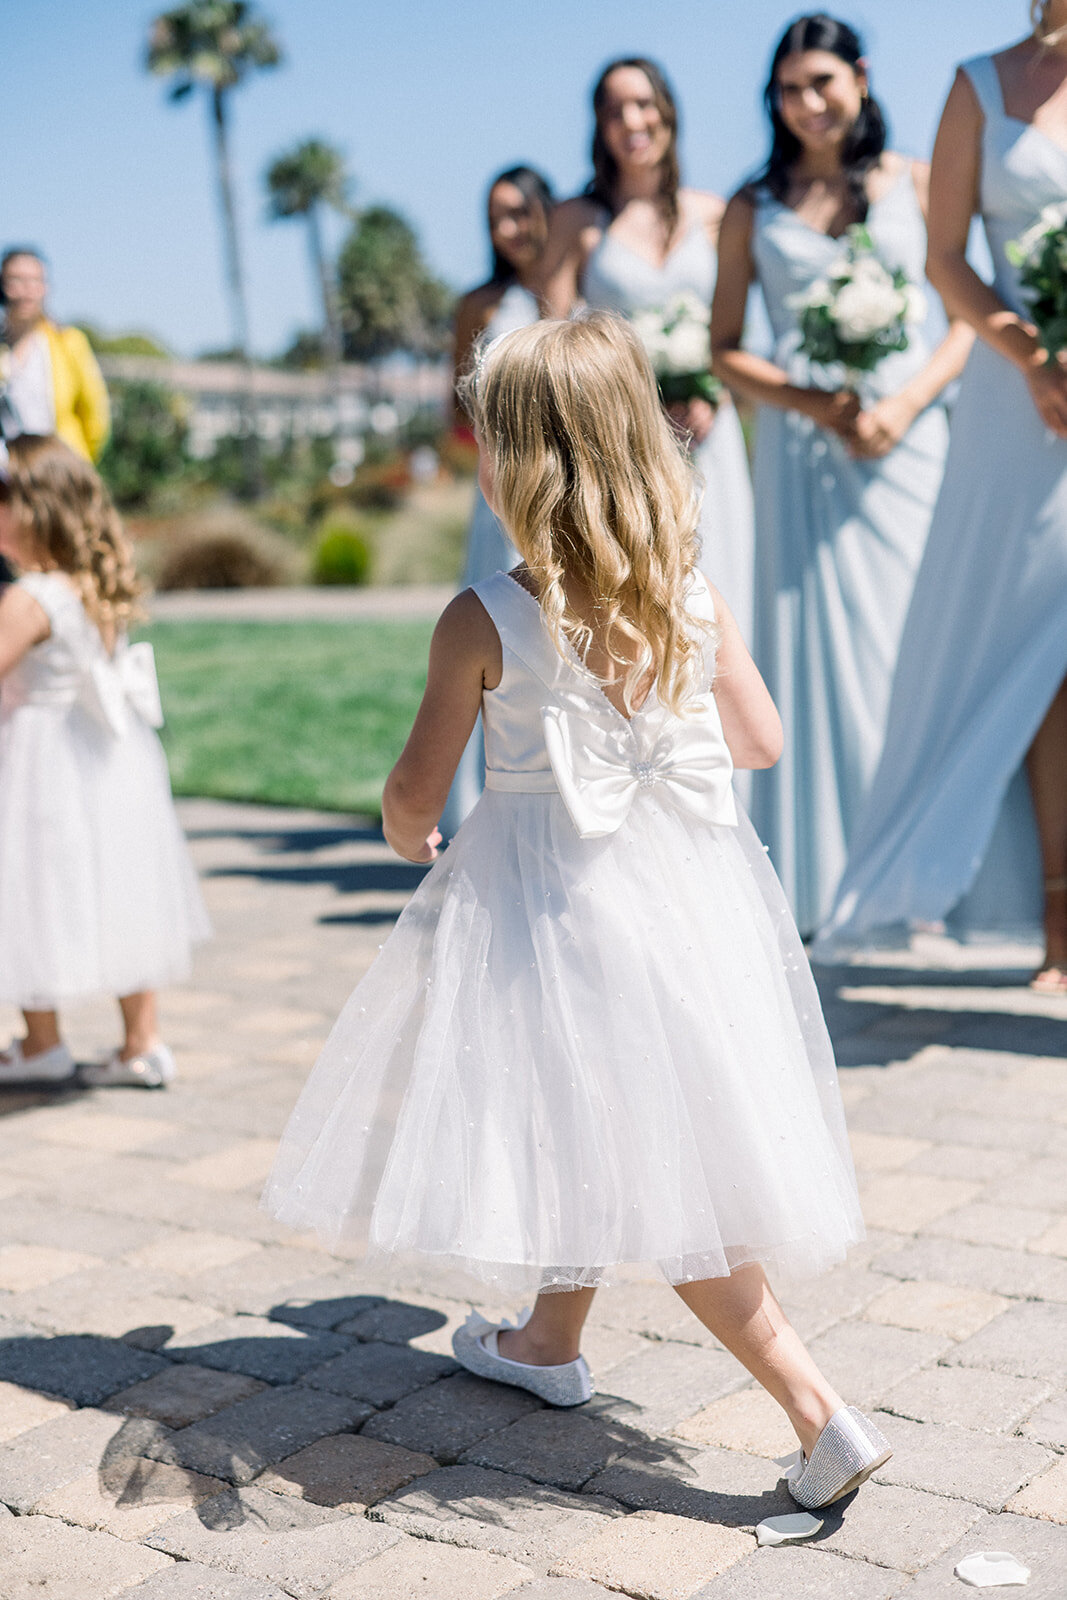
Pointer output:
845, 1454
474, 1347
48, 1066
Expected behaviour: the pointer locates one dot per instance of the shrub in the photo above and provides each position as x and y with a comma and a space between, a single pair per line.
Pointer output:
147, 446
226, 551
342, 555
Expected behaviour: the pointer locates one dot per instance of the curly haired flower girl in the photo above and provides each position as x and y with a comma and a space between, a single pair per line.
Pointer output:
592, 1039
97, 891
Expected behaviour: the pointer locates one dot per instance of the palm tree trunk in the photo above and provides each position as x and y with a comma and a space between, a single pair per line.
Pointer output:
331, 329
236, 285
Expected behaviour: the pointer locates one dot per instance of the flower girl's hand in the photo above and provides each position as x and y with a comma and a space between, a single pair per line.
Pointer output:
1048, 390
428, 851
881, 427
693, 418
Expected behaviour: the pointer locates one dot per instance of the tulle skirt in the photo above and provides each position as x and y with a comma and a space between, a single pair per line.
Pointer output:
97, 890
575, 1055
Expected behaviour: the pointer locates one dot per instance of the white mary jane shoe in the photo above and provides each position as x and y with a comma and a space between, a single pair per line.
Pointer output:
474, 1347
48, 1066
845, 1454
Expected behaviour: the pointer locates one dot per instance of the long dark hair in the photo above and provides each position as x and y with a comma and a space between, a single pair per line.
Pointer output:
536, 191
866, 139
603, 184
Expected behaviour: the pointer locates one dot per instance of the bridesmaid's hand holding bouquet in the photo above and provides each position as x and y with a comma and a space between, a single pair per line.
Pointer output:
677, 341
859, 313
1040, 254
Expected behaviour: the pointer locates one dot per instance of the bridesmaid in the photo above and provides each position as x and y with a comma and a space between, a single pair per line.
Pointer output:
980, 700
844, 485
632, 241
518, 209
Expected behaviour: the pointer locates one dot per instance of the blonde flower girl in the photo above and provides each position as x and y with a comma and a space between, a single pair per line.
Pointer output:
592, 1039
97, 891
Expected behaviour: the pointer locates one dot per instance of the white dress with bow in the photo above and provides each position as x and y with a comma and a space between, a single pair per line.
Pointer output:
593, 1037
97, 891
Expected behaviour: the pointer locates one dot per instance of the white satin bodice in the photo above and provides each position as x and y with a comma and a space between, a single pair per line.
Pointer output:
549, 726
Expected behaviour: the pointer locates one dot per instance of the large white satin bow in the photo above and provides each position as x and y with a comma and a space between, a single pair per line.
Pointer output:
124, 682
601, 767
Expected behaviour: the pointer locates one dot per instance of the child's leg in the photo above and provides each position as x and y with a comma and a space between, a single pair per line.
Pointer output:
552, 1335
141, 1023
744, 1315
42, 1032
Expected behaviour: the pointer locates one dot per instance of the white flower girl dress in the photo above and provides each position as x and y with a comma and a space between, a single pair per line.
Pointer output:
97, 890
593, 1037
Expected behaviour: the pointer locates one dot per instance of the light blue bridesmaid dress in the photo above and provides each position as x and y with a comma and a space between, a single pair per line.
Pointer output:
489, 550
949, 829
838, 546
616, 278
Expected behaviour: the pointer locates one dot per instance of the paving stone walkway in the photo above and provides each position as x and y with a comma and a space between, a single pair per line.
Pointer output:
194, 1402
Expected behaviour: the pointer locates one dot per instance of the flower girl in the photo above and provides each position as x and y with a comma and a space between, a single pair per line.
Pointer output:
593, 1039
97, 892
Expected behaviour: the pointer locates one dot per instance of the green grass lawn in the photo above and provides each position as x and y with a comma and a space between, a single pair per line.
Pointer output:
300, 713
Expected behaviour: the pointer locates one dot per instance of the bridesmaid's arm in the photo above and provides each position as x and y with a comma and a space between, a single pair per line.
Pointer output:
465, 658
472, 318
573, 233
955, 176
23, 623
882, 426
751, 375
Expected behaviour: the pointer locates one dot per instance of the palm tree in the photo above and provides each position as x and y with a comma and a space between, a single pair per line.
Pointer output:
216, 45
300, 183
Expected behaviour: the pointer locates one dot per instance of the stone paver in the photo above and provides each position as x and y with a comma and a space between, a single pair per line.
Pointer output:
1041, 1546
302, 1548
495, 1511
347, 1471
184, 1394
415, 1567
44, 1559
654, 1556
985, 1468
160, 1334
451, 1415
239, 1442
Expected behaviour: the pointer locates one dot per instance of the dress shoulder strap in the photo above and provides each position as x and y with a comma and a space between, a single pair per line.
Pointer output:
53, 594
985, 82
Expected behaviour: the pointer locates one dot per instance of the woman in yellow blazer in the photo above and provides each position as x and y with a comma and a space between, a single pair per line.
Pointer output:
49, 379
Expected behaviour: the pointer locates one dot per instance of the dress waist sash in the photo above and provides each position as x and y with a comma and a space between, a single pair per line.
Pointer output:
542, 782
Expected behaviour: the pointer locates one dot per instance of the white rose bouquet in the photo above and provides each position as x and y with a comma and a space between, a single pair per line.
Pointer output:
1041, 257
677, 341
859, 312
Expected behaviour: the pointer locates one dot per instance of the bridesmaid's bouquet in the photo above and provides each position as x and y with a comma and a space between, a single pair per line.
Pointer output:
677, 341
1041, 257
859, 312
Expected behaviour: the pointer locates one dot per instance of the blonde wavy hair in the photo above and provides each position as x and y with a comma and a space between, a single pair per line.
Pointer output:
1042, 32
593, 485
67, 512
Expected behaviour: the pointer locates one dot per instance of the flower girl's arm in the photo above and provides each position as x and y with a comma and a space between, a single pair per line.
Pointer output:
465, 658
23, 623
749, 717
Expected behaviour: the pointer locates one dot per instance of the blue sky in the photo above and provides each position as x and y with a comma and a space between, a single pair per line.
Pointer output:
426, 98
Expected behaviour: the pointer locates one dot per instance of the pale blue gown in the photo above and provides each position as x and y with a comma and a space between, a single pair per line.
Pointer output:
489, 550
838, 543
949, 829
616, 278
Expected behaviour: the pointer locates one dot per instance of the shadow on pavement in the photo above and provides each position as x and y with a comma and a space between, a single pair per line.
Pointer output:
174, 1406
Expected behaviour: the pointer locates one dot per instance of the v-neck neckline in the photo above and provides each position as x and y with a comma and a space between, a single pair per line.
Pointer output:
573, 659
660, 267
1021, 122
838, 238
